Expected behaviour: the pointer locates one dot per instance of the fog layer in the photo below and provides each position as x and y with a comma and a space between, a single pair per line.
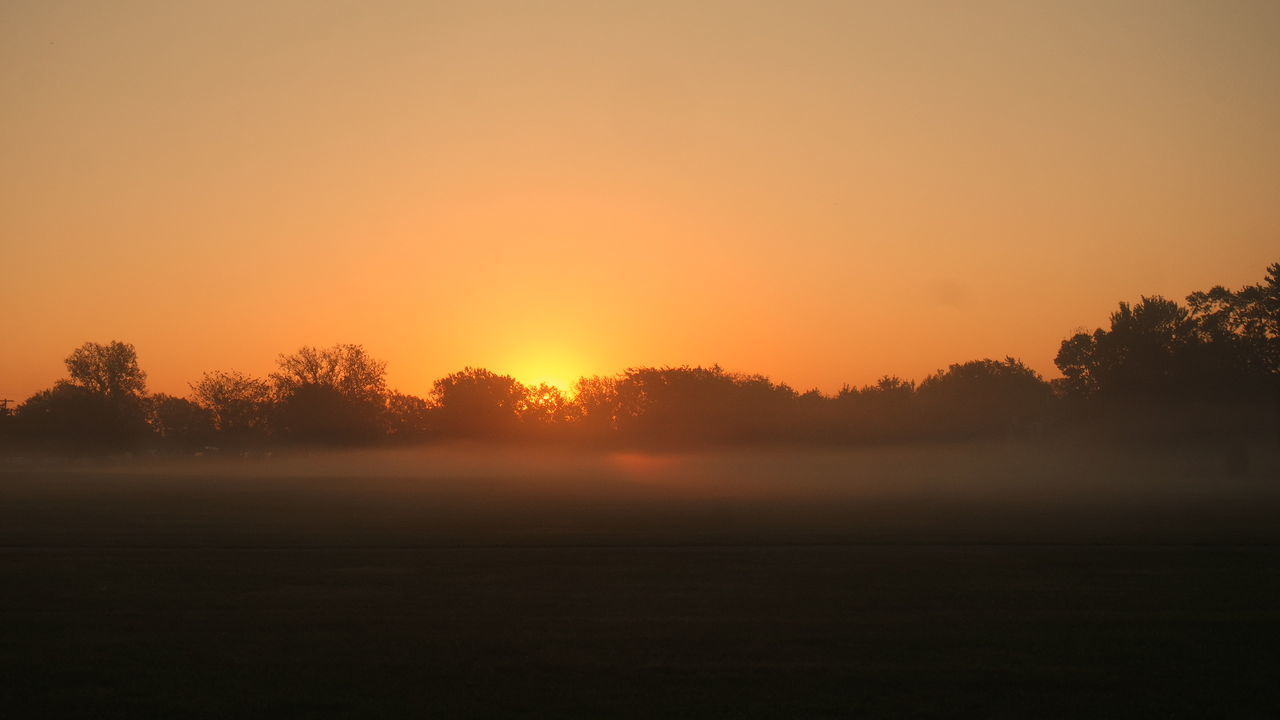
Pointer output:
490, 495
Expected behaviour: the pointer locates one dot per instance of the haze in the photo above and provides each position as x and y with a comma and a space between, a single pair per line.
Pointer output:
450, 495
824, 192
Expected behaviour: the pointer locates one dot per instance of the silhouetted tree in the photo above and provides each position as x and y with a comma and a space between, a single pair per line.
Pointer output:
239, 404
1239, 365
348, 369
696, 404
179, 422
1223, 345
984, 396
325, 415
1081, 368
408, 418
110, 369
478, 403
100, 407
334, 395
1147, 351
545, 407
596, 398
72, 418
815, 417
881, 412
1244, 325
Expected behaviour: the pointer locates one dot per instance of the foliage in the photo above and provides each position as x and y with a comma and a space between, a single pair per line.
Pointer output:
334, 395
323, 414
408, 417
684, 404
1222, 343
72, 418
984, 396
239, 405
110, 369
881, 412
179, 422
545, 406
476, 403
596, 398
348, 369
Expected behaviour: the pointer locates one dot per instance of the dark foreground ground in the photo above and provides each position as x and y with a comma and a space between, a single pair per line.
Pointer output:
642, 587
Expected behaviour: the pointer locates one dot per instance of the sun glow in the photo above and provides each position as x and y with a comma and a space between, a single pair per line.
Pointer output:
547, 366
561, 382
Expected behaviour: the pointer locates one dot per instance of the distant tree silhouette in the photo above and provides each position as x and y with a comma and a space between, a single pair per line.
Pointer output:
1223, 344
681, 405
1078, 360
179, 422
348, 369
596, 398
544, 407
1240, 361
409, 418
884, 411
477, 403
890, 389
322, 414
239, 404
72, 418
984, 396
334, 395
1145, 352
110, 369
99, 408
1244, 325
815, 418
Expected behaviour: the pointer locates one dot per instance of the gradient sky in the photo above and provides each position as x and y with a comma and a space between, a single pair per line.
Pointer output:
823, 192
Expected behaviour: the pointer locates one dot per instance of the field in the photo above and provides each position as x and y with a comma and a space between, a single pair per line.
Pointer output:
996, 581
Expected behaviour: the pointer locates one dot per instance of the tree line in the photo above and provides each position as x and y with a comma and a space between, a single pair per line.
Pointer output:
1209, 367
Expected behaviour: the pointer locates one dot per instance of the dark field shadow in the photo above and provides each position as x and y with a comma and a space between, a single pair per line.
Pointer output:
994, 581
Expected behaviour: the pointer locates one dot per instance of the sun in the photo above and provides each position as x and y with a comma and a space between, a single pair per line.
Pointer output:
554, 367
561, 382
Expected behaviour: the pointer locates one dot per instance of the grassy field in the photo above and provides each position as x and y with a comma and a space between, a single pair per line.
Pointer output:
1002, 581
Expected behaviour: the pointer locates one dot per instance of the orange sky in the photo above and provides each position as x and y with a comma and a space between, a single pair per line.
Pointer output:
820, 191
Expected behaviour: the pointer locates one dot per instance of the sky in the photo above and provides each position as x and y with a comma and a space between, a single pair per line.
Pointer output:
822, 192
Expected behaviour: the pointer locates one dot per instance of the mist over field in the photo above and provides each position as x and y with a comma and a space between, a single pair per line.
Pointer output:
495, 494
1009, 579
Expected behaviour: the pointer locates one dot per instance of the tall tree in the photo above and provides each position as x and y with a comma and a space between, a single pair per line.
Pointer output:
239, 404
878, 412
984, 396
546, 406
597, 400
475, 402
349, 369
1245, 323
408, 417
100, 406
334, 395
179, 422
74, 418
686, 404
110, 369
1151, 349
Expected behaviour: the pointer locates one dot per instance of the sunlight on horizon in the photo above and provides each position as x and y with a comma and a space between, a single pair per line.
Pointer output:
552, 366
